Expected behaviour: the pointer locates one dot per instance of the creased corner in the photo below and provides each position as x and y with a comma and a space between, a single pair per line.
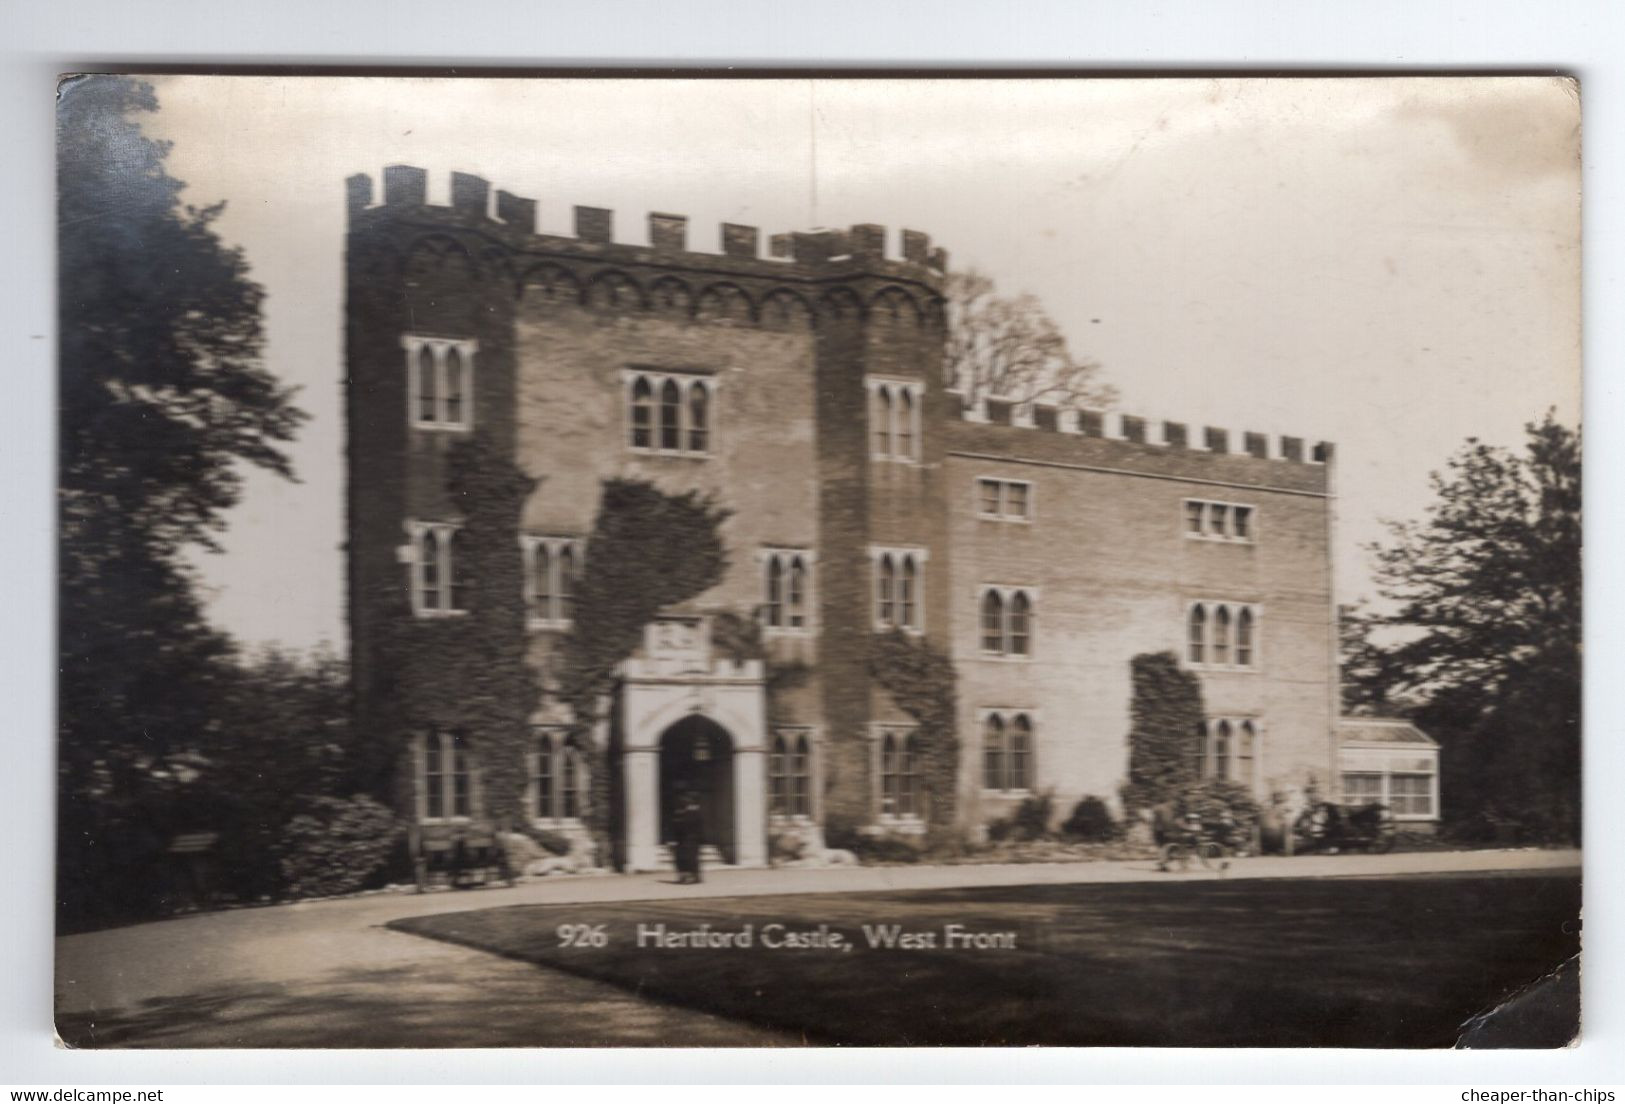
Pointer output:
1543, 1015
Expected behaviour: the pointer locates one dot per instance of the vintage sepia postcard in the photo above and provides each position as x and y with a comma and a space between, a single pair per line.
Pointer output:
811, 562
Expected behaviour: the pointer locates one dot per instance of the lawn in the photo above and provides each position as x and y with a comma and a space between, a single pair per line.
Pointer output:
1370, 962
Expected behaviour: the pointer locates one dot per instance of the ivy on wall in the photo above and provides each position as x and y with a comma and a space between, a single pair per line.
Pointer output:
469, 673
648, 550
922, 681
1166, 715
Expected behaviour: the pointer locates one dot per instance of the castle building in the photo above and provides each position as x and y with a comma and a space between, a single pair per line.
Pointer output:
801, 386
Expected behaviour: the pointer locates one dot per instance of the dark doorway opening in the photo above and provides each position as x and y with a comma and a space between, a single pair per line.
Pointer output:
697, 754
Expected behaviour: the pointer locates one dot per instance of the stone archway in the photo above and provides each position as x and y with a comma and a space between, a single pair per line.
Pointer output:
697, 755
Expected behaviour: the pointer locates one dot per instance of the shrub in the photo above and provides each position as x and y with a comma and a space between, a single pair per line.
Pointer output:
1000, 830
886, 848
1212, 798
335, 846
1091, 821
1032, 817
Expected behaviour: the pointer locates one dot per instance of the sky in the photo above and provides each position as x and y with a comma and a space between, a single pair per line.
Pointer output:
1391, 264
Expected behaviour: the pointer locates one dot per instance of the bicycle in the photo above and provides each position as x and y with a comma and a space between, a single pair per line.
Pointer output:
1210, 853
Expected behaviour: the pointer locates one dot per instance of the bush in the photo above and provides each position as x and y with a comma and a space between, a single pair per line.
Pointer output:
1090, 821
1032, 817
335, 846
886, 848
1212, 799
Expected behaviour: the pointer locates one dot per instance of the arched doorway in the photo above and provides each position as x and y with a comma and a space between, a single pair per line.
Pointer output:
696, 754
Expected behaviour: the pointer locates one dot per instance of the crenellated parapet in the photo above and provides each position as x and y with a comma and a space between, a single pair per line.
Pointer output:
1048, 434
799, 278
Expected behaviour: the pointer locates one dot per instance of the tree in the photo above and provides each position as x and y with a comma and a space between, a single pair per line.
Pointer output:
1010, 348
1487, 591
162, 395
1165, 718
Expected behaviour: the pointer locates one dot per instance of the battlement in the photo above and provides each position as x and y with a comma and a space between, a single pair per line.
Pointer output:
863, 247
1167, 436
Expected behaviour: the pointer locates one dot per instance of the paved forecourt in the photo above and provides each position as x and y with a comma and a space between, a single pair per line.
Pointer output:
197, 969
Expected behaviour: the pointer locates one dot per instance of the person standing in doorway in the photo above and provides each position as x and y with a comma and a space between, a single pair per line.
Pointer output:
688, 825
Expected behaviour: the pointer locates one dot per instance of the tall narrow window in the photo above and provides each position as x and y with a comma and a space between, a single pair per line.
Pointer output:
775, 593
1246, 750
552, 572
906, 595
1193, 516
1244, 638
993, 622
1218, 519
778, 778
990, 497
887, 586
567, 583
434, 778
796, 595
546, 806
801, 777
905, 425
542, 574
888, 775
1198, 635
880, 416
428, 392
1221, 635
1241, 521
1020, 623
570, 795
908, 779
671, 411
1221, 751
462, 796
643, 414
439, 382
1015, 500
1021, 739
993, 752
429, 570
454, 385
894, 410
457, 571
698, 408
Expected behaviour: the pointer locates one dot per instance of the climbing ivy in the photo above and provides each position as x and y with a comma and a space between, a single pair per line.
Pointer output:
921, 680
648, 550
1165, 715
469, 673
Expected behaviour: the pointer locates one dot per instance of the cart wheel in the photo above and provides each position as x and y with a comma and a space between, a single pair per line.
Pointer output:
1383, 842
1175, 856
1212, 856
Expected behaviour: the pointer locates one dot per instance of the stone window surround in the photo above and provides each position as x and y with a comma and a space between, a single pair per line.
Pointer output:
892, 387
785, 556
466, 349
1003, 513
1209, 606
686, 380
1007, 593
1007, 715
529, 543
1207, 534
447, 567
899, 553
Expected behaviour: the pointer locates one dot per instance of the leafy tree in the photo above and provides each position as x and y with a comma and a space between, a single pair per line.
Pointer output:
1165, 717
162, 394
1487, 592
1008, 347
